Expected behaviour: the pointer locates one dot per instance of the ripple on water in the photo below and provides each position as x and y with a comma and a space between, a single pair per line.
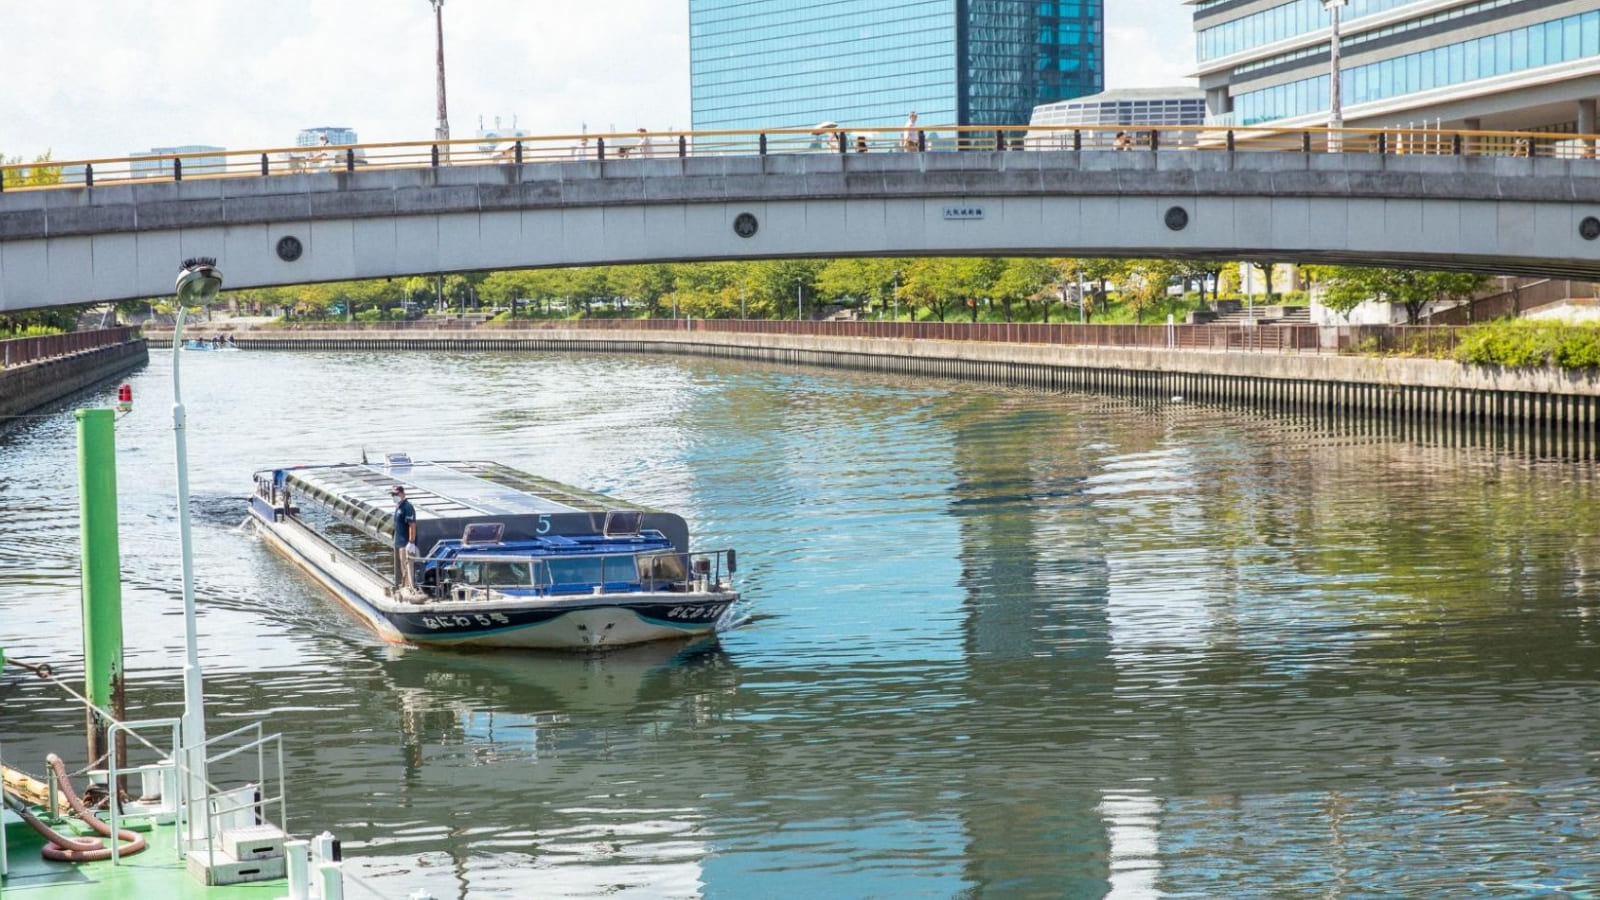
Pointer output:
995, 642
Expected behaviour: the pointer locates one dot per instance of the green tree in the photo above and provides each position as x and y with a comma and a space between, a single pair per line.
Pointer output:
1148, 283
1022, 280
37, 173
1100, 272
646, 284
1345, 287
870, 281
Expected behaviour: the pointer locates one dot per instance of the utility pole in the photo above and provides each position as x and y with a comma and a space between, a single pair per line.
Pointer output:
1335, 112
441, 131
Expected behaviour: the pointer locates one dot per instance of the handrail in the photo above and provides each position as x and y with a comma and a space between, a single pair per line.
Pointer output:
611, 146
17, 351
112, 769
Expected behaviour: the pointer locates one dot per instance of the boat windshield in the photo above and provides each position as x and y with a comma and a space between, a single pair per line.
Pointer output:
666, 567
593, 570
491, 574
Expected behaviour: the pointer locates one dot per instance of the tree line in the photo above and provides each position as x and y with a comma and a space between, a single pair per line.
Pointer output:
929, 288
1022, 289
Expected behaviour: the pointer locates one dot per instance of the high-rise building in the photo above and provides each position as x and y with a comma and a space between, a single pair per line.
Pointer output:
337, 135
793, 63
142, 165
1474, 64
1170, 107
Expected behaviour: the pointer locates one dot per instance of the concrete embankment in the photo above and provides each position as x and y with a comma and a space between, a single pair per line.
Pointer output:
27, 387
1561, 410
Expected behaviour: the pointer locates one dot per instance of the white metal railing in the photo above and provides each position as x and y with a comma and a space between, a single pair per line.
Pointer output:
216, 804
115, 768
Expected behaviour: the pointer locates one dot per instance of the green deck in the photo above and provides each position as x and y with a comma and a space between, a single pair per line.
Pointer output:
155, 873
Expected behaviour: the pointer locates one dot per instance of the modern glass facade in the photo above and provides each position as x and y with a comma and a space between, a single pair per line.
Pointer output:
338, 135
143, 167
1485, 64
791, 63
1561, 40
1279, 23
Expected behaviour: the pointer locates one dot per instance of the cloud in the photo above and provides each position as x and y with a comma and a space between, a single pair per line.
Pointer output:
244, 74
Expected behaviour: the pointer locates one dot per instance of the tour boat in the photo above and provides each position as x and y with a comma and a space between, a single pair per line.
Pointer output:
502, 559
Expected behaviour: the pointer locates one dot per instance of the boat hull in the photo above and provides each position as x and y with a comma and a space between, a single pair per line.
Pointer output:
581, 622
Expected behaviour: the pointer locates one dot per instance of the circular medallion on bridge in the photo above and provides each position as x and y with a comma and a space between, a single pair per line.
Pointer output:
1177, 218
1589, 228
289, 248
745, 225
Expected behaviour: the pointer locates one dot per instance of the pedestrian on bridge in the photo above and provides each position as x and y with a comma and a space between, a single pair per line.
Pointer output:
908, 139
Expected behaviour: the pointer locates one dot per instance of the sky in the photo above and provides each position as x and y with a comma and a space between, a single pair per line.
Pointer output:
87, 79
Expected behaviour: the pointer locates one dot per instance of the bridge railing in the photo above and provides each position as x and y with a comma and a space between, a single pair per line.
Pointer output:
17, 351
824, 138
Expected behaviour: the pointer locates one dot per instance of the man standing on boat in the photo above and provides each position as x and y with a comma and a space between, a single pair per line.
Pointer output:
405, 536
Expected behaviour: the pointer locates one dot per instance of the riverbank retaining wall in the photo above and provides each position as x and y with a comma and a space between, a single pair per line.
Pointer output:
28, 387
1561, 408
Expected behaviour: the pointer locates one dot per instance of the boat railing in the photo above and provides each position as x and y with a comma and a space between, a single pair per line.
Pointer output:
261, 790
698, 570
249, 804
165, 770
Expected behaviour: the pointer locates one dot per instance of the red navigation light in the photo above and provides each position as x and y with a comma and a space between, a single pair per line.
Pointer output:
125, 397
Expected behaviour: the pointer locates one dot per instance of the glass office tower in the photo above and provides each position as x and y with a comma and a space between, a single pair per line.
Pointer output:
1489, 64
792, 63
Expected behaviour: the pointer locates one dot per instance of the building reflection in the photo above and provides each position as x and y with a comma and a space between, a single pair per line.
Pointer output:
1038, 638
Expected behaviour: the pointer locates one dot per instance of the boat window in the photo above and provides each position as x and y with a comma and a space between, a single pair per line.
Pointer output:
496, 573
621, 569
576, 571
622, 523
483, 533
666, 567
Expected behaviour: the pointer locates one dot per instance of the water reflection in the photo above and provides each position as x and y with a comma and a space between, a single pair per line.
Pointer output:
1009, 643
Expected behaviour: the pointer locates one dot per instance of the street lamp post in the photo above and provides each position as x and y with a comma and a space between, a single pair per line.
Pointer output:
799, 300
1335, 113
198, 282
441, 131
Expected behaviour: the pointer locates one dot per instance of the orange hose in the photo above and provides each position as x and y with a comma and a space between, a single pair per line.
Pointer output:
65, 849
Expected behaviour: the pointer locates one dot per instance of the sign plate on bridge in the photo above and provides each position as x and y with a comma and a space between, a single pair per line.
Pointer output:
963, 212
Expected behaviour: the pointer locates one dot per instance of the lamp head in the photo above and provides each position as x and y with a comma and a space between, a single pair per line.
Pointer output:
199, 281
1331, 5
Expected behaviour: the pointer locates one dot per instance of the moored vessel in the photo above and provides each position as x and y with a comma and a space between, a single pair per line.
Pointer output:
496, 557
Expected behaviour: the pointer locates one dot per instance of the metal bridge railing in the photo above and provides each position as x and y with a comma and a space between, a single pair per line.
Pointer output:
532, 150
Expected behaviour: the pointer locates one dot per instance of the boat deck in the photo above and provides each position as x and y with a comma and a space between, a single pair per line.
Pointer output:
155, 873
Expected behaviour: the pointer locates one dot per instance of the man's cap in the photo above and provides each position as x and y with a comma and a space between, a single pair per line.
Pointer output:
397, 489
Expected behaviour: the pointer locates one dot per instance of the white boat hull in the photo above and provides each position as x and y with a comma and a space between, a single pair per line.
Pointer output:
565, 622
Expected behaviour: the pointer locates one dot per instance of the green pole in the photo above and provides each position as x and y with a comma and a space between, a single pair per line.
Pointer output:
102, 572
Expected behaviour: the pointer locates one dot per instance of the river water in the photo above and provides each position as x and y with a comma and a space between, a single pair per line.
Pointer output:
998, 643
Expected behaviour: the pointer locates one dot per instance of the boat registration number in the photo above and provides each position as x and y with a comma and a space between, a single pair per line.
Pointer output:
693, 613
482, 620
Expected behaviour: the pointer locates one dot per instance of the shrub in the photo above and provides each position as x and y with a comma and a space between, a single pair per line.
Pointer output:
1525, 344
1579, 348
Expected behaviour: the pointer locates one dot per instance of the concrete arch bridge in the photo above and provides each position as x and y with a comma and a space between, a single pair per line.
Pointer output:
1434, 200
